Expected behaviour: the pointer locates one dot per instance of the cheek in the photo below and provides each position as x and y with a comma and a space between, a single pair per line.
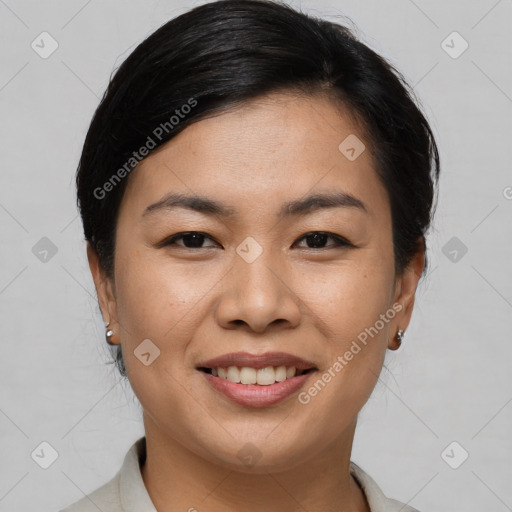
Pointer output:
341, 388
349, 298
354, 306
149, 299
162, 301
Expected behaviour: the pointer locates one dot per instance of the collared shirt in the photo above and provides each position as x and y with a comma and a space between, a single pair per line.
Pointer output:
126, 491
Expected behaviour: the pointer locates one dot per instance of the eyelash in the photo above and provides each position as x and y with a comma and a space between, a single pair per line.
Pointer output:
339, 241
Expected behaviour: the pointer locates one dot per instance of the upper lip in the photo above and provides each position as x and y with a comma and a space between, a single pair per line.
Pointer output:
257, 361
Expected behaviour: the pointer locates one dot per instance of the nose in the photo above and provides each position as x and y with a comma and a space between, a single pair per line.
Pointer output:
258, 296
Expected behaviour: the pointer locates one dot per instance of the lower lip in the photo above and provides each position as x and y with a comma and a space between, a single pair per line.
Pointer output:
254, 395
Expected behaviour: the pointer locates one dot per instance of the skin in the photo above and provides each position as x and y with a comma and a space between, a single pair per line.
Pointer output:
202, 301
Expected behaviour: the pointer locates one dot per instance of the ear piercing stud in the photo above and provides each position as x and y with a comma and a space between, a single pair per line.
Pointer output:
399, 337
108, 334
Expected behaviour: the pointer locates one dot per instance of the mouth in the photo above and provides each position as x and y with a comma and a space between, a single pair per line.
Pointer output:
260, 369
259, 385
265, 376
257, 380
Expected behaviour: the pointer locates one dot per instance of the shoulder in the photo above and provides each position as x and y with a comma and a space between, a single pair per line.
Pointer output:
377, 500
125, 492
106, 497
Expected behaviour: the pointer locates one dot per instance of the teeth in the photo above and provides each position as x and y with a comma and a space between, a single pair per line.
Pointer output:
263, 377
246, 375
233, 374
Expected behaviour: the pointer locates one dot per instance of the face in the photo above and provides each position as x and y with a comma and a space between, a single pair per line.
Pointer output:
314, 279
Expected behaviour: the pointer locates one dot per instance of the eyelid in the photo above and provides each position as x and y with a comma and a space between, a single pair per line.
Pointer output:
170, 240
340, 241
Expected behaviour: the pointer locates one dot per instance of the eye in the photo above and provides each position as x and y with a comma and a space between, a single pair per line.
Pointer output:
195, 240
319, 238
191, 240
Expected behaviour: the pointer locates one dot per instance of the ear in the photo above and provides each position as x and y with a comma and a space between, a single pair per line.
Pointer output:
105, 290
405, 290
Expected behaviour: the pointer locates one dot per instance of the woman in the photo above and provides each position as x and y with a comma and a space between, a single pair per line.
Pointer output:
255, 189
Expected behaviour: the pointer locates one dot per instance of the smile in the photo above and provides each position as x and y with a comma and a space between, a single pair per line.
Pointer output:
256, 387
262, 377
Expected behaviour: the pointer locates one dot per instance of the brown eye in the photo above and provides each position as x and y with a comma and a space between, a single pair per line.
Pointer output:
191, 240
318, 239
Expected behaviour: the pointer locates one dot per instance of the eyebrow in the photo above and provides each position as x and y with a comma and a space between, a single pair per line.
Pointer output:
299, 207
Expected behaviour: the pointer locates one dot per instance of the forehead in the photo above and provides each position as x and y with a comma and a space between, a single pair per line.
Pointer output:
269, 150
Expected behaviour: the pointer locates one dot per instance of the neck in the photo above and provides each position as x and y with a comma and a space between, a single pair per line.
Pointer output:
178, 479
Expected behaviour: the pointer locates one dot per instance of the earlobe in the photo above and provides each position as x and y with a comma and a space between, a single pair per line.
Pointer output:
104, 289
405, 291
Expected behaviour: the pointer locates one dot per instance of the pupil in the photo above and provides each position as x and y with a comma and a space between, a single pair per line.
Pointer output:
318, 238
197, 239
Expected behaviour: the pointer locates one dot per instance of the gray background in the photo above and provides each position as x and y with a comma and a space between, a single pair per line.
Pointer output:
451, 381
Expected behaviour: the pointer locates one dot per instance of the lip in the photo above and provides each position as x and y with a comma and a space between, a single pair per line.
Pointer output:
253, 395
257, 361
